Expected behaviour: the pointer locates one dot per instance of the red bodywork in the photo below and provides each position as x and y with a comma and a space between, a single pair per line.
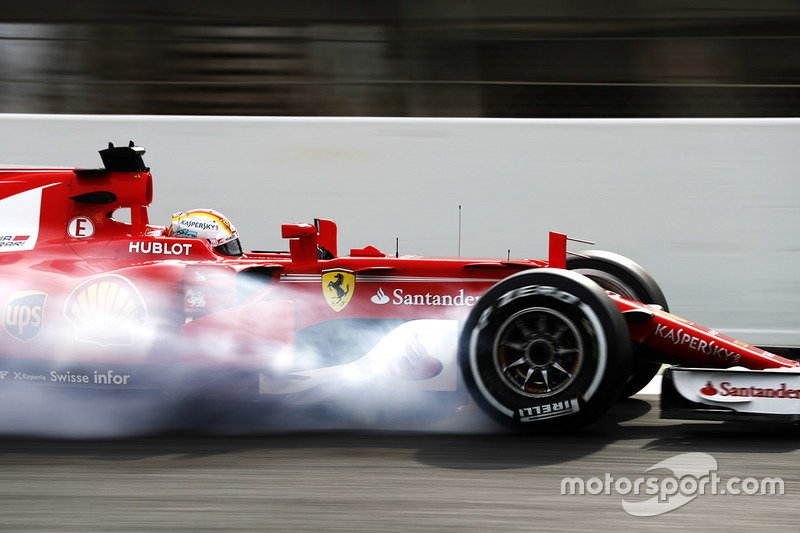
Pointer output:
80, 286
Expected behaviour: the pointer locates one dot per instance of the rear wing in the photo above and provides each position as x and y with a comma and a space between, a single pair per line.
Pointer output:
54, 206
124, 182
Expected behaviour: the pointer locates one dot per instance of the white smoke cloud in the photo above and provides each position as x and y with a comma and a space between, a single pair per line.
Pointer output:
61, 375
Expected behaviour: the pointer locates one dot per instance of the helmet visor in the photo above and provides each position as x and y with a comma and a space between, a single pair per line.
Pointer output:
232, 248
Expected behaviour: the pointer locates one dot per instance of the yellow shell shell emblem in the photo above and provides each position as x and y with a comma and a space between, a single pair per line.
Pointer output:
106, 310
338, 287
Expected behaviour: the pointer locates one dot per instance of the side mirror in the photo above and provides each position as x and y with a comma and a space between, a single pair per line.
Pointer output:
295, 231
302, 241
327, 234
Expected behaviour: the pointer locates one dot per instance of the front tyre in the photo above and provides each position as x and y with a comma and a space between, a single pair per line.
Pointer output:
545, 350
619, 274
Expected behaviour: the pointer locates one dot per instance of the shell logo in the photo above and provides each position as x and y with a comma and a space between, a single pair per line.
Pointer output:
106, 310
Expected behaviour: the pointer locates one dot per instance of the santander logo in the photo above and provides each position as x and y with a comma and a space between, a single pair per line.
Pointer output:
458, 298
416, 363
730, 392
708, 390
380, 298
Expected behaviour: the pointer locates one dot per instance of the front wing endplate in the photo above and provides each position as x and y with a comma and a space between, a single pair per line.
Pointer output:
731, 394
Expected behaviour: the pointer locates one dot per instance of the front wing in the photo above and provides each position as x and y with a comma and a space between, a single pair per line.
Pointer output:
731, 394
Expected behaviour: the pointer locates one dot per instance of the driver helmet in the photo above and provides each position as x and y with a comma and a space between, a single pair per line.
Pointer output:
210, 225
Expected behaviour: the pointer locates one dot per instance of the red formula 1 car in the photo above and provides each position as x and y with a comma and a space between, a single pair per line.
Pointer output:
92, 302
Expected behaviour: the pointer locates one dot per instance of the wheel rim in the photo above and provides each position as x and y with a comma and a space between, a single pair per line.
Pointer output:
538, 352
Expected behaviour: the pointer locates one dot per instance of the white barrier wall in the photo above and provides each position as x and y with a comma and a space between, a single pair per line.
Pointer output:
710, 207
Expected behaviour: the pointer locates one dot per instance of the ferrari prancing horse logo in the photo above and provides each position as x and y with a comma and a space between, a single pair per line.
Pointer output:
338, 286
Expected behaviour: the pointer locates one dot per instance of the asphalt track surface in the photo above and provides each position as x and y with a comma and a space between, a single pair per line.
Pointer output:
391, 481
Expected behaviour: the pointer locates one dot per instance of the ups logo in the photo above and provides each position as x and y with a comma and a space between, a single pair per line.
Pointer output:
23, 315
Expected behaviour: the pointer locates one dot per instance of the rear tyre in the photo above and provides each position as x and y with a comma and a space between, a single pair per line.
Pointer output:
544, 350
619, 274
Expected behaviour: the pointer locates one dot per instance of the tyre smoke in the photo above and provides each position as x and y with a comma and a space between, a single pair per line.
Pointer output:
111, 355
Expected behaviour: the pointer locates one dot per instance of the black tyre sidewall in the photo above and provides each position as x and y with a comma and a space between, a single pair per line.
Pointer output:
604, 366
644, 287
640, 286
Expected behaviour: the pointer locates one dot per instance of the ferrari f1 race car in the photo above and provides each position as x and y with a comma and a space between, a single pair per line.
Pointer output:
94, 300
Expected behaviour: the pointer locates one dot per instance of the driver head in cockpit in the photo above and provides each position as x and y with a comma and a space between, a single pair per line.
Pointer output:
210, 225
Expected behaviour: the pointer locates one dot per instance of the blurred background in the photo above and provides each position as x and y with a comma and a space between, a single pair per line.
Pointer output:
664, 130
403, 58
389, 116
